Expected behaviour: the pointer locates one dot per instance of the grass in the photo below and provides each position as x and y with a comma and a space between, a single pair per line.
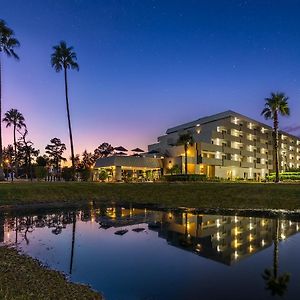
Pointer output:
198, 195
23, 278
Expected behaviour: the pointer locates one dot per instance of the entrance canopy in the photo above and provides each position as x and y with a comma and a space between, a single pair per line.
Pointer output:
133, 162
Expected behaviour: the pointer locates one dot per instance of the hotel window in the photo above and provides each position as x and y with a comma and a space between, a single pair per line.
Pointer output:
235, 120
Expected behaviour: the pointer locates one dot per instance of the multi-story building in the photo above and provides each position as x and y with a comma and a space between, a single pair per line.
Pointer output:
227, 145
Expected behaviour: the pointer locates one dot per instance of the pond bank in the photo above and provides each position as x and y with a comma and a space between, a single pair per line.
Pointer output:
169, 195
22, 277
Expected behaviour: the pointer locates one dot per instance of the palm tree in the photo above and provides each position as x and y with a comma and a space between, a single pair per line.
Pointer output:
276, 105
277, 284
64, 58
7, 45
185, 139
15, 119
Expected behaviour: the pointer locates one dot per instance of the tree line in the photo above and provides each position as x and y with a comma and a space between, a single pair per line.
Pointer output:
63, 59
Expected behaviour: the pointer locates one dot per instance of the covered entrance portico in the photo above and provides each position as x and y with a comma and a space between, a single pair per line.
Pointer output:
129, 168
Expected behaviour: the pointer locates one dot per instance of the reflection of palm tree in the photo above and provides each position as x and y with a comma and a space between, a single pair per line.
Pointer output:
276, 284
73, 242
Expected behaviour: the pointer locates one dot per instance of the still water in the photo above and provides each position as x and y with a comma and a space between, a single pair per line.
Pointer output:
163, 254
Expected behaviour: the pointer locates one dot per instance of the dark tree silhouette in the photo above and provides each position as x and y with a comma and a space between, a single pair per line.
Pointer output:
186, 139
104, 150
276, 105
55, 151
13, 118
8, 43
26, 152
64, 58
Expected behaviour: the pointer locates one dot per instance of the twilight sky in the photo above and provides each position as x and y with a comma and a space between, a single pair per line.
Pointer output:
148, 65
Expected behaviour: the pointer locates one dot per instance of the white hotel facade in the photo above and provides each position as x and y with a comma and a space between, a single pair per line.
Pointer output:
228, 145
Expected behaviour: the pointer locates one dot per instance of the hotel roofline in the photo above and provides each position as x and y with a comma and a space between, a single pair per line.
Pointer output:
219, 116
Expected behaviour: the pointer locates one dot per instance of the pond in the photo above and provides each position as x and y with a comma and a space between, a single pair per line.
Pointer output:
138, 253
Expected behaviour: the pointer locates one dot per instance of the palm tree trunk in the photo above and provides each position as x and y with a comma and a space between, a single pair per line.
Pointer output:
276, 145
69, 119
186, 160
1, 150
276, 250
73, 242
16, 158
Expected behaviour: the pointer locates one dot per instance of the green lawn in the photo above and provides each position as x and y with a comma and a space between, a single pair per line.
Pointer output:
199, 195
22, 278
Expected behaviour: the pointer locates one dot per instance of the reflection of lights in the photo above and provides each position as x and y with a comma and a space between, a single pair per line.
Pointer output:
218, 222
235, 219
262, 222
297, 227
290, 223
250, 248
235, 231
218, 248
218, 236
282, 236
263, 243
235, 243
235, 254
198, 248
188, 225
250, 237
250, 226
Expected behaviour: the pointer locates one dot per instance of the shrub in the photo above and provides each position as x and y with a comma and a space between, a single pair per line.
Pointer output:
284, 176
67, 173
40, 172
174, 170
103, 175
185, 177
85, 174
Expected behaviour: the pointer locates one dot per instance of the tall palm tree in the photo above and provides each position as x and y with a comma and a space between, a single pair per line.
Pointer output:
13, 118
7, 45
185, 139
64, 58
276, 105
277, 284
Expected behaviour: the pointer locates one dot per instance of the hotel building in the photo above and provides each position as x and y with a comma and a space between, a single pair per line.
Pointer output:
228, 145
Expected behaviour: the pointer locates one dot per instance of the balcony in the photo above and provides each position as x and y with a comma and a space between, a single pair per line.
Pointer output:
245, 164
247, 153
210, 147
229, 163
261, 155
229, 150
210, 161
260, 166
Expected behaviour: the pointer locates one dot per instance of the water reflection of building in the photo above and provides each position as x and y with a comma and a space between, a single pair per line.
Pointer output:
226, 239
121, 216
